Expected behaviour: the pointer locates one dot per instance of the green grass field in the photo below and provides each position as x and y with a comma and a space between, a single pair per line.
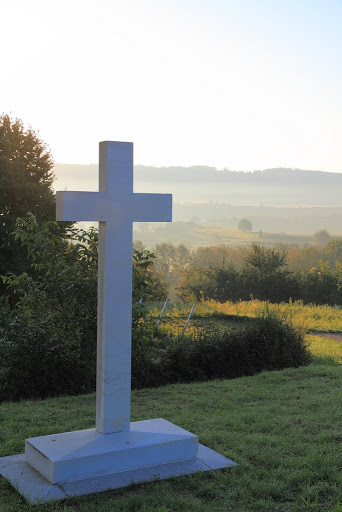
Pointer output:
283, 428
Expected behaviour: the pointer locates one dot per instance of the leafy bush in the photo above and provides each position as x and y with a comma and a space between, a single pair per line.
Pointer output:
48, 320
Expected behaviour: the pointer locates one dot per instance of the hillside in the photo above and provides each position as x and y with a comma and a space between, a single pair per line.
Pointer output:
281, 200
199, 183
194, 235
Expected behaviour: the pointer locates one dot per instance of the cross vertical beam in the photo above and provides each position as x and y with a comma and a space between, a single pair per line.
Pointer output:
116, 207
113, 378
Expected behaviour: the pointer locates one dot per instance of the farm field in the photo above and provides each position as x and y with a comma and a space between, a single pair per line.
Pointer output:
195, 235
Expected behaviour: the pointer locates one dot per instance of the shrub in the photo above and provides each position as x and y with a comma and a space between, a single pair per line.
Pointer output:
265, 343
48, 319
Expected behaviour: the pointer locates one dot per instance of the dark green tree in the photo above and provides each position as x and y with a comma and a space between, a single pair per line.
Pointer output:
48, 334
266, 277
166, 257
220, 284
333, 253
25, 186
245, 225
321, 238
322, 286
48, 318
147, 281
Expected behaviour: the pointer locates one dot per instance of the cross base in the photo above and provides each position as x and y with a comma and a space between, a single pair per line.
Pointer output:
36, 489
87, 454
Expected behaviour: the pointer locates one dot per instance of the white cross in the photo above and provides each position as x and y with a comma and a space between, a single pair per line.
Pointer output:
116, 207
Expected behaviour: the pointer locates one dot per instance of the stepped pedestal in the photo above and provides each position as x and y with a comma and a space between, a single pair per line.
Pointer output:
87, 454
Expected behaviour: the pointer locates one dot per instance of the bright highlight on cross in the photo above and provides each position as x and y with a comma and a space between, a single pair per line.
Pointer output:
116, 207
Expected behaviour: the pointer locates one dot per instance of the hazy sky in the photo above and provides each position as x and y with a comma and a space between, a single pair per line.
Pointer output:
243, 84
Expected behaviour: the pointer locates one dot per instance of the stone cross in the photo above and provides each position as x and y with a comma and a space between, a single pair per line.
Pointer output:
116, 207
80, 462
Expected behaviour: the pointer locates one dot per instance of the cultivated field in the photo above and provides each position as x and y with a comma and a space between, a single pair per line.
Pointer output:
195, 235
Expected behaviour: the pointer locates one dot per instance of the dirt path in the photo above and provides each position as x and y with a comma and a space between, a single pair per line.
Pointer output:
336, 336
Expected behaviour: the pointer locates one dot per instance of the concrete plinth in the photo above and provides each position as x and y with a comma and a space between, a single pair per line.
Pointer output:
87, 454
36, 489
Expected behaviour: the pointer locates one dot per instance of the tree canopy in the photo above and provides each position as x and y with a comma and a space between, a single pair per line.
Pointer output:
321, 238
26, 178
245, 225
48, 318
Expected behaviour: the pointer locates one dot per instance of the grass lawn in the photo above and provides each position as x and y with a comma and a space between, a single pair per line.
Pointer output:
283, 429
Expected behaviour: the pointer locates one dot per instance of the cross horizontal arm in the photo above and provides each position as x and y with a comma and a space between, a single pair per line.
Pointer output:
77, 206
152, 207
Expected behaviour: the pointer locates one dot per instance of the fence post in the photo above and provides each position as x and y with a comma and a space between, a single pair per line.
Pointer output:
188, 320
162, 312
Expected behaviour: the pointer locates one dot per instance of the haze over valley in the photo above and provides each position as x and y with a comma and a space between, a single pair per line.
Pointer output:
272, 187
281, 200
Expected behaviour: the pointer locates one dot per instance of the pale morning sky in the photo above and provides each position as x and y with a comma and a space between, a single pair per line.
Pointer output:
243, 84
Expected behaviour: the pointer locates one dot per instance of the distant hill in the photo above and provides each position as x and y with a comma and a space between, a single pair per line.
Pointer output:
275, 200
277, 187
278, 176
200, 173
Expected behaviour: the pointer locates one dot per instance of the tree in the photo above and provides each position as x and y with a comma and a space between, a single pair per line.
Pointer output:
25, 186
333, 252
198, 283
334, 248
139, 245
171, 261
245, 225
266, 276
48, 318
166, 255
322, 286
220, 284
183, 257
147, 281
48, 335
219, 256
321, 237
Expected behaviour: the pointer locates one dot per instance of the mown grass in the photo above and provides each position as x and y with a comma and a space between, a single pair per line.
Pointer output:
283, 429
324, 350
